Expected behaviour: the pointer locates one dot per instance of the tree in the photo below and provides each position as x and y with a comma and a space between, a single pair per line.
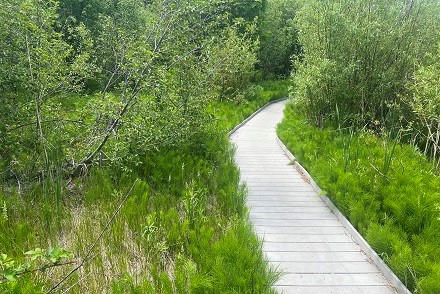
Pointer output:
157, 62
152, 55
232, 59
358, 56
248, 10
278, 38
424, 100
42, 65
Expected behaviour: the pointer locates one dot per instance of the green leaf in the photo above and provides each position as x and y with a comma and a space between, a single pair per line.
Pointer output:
9, 275
34, 254
35, 251
10, 278
55, 254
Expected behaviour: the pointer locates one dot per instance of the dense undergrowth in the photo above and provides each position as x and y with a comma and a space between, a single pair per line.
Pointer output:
183, 228
389, 191
231, 112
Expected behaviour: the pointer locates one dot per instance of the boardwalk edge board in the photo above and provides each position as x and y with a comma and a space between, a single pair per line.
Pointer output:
369, 252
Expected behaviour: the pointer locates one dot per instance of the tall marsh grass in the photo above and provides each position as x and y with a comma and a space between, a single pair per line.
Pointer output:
389, 192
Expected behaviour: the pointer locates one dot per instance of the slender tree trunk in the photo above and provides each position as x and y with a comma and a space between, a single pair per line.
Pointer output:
428, 137
436, 143
40, 130
37, 101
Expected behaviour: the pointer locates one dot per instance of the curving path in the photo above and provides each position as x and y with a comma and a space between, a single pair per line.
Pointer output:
301, 235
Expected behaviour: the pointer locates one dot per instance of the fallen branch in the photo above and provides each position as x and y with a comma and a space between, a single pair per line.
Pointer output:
89, 159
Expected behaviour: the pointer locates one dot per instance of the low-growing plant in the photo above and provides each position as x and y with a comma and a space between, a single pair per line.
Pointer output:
35, 260
389, 191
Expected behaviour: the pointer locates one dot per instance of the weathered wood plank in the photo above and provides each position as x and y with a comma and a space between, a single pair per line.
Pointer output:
265, 230
327, 267
301, 236
334, 289
351, 279
313, 247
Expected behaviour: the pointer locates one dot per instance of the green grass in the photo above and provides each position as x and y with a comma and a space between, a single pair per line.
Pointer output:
183, 229
231, 113
389, 192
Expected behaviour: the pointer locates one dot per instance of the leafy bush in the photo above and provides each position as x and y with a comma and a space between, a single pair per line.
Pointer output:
358, 56
424, 101
230, 62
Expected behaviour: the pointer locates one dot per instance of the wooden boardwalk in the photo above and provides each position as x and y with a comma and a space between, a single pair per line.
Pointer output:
302, 237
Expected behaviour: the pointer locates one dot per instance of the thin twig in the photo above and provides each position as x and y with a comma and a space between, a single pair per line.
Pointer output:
76, 283
45, 121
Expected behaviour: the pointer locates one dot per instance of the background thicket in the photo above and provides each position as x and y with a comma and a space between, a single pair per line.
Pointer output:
278, 38
368, 64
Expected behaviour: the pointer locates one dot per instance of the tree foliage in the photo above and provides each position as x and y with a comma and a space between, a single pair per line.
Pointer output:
278, 33
43, 68
424, 101
155, 64
231, 60
358, 56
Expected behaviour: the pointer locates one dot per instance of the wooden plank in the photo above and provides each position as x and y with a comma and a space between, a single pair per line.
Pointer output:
325, 267
301, 236
292, 216
306, 256
282, 201
334, 289
290, 209
315, 238
264, 230
344, 279
313, 247
286, 194
296, 223
288, 189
